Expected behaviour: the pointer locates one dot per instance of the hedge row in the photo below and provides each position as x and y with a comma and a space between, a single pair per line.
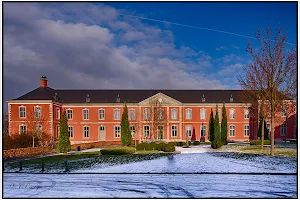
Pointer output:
258, 142
117, 150
190, 143
18, 141
166, 147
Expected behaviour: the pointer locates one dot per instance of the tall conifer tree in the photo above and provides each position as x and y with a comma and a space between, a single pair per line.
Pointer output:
217, 129
224, 126
63, 138
125, 128
211, 127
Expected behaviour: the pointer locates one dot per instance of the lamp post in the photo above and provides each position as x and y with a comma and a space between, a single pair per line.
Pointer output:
202, 131
133, 135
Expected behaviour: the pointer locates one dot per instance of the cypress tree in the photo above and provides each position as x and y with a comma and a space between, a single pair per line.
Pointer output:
63, 138
125, 128
211, 127
224, 126
217, 133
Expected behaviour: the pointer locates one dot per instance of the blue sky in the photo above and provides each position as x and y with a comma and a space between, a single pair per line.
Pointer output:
90, 46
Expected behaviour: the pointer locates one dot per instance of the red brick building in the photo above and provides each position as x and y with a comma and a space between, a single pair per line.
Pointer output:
169, 115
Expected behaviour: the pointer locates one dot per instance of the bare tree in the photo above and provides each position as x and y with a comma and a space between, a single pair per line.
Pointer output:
156, 119
36, 124
5, 123
272, 74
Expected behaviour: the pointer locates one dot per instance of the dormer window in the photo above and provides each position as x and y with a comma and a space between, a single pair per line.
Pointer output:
231, 98
87, 99
118, 99
56, 97
203, 98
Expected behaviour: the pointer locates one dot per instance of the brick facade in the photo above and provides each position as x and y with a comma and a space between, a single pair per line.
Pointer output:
50, 109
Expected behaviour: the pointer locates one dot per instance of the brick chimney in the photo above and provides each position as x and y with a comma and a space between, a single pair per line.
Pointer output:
44, 81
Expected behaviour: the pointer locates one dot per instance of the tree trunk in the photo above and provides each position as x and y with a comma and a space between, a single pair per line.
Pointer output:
262, 134
272, 134
33, 141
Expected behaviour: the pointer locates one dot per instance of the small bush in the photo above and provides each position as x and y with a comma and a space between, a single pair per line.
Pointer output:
174, 143
196, 143
180, 144
142, 146
169, 148
258, 142
216, 145
117, 150
152, 146
161, 146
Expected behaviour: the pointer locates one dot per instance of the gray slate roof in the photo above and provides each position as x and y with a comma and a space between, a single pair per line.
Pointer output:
131, 96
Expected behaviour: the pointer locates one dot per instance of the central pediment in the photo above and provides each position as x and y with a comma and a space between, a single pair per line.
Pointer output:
161, 99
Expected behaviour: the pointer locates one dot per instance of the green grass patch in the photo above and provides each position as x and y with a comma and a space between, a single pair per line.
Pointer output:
279, 151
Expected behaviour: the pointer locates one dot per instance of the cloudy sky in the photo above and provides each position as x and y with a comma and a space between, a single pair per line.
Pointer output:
133, 45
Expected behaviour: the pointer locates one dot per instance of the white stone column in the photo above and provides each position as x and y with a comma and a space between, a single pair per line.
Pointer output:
168, 125
180, 122
141, 124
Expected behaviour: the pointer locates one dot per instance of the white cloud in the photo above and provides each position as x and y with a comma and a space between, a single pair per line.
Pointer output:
221, 48
89, 53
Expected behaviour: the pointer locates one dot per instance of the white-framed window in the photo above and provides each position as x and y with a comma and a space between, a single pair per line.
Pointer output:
188, 113
71, 132
101, 128
283, 129
246, 130
70, 114
101, 114
132, 130
283, 111
117, 114
22, 129
57, 113
117, 131
22, 111
174, 131
37, 112
86, 131
174, 114
188, 129
202, 130
160, 114
231, 130
85, 113
147, 131
232, 114
246, 114
160, 132
131, 114
146, 114
202, 113
57, 130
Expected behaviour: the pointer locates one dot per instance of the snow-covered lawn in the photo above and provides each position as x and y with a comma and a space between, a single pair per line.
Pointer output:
192, 160
204, 162
148, 186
